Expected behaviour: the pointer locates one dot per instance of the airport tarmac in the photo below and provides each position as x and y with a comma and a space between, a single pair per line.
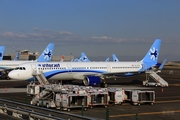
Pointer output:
166, 106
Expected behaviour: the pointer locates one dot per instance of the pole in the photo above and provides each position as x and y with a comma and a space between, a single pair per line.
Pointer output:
107, 114
82, 110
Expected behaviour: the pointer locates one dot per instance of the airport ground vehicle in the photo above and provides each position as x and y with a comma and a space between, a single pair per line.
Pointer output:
153, 84
138, 97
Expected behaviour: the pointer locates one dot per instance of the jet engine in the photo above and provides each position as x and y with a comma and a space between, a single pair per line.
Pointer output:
92, 80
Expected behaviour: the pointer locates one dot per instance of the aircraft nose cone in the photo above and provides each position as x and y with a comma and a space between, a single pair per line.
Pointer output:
12, 75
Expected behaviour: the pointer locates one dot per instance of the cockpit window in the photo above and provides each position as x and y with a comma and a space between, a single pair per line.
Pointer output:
20, 68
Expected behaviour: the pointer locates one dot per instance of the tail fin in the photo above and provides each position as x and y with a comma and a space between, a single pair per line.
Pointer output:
17, 56
84, 58
46, 55
151, 57
2, 48
107, 60
115, 59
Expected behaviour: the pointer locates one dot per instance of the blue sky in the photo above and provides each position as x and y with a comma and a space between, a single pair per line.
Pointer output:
99, 28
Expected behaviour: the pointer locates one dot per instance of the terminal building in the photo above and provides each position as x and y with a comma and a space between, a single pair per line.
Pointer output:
27, 55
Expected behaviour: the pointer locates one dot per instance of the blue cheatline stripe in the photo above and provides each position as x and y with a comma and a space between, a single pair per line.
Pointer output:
55, 72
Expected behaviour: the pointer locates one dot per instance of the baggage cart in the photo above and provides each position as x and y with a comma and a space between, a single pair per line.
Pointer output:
116, 96
141, 97
98, 97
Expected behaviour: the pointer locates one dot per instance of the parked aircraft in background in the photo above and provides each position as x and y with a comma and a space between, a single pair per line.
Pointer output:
17, 56
84, 58
2, 48
115, 59
91, 73
107, 60
6, 65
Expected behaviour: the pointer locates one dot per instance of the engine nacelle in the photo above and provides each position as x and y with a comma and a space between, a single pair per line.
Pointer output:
92, 80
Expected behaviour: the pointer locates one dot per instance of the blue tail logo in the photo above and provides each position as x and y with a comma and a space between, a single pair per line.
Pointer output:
1, 54
47, 54
151, 58
154, 53
2, 48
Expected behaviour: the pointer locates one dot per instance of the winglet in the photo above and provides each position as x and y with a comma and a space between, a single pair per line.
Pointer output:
2, 48
162, 65
46, 55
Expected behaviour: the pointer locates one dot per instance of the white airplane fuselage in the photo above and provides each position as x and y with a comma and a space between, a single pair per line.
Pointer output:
7, 64
74, 70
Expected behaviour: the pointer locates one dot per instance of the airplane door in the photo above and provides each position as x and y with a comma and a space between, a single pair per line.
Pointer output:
108, 68
33, 66
69, 67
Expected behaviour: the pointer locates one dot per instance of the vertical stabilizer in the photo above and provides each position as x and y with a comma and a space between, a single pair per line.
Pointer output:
115, 59
84, 58
2, 48
46, 55
17, 56
151, 57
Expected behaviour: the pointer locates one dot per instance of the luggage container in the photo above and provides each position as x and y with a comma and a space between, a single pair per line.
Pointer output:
33, 89
128, 94
141, 97
72, 100
116, 96
98, 97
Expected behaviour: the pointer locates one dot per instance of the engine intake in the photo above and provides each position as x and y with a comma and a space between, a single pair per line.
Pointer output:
92, 80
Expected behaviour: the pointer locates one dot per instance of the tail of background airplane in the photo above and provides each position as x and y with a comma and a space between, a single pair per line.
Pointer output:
84, 58
151, 58
46, 55
2, 48
115, 59
107, 60
17, 56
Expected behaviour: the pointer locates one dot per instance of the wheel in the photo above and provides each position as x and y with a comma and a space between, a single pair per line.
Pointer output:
47, 105
152, 103
120, 103
156, 85
105, 85
105, 106
68, 109
85, 109
139, 104
91, 107
147, 84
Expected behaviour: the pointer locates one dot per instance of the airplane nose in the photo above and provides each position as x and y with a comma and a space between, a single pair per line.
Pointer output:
12, 75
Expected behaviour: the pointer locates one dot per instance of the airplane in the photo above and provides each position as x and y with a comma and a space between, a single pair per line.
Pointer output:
2, 48
6, 65
115, 59
17, 56
84, 58
107, 60
91, 73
